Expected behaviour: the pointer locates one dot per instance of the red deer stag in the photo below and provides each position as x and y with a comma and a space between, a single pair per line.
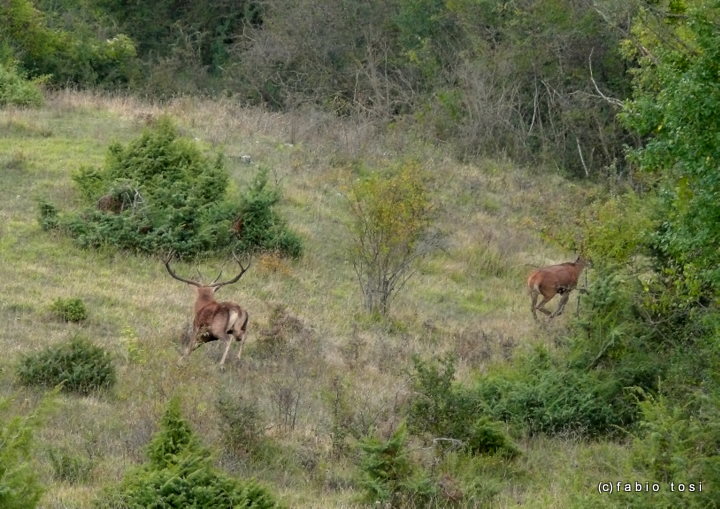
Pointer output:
555, 279
215, 320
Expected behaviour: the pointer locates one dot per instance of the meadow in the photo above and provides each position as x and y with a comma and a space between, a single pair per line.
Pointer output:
313, 356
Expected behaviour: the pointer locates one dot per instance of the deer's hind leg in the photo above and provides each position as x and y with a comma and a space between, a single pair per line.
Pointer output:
561, 305
242, 334
228, 342
192, 345
541, 307
533, 300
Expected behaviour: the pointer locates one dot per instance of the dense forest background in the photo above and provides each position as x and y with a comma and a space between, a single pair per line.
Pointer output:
585, 126
525, 79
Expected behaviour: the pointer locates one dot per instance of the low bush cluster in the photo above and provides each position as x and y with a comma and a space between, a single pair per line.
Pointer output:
540, 397
78, 365
444, 410
70, 310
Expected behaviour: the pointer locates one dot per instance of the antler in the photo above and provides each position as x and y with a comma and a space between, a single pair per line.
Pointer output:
167, 260
236, 278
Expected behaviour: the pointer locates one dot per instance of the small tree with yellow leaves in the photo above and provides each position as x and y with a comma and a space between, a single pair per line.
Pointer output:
390, 222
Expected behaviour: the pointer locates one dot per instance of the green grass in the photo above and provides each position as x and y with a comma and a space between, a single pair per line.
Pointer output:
138, 313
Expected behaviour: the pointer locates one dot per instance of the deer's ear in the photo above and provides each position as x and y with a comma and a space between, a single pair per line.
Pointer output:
215, 289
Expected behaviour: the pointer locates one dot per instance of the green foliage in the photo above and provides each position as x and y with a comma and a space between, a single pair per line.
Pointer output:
557, 400
48, 216
160, 193
611, 231
390, 219
16, 90
77, 364
262, 228
454, 412
70, 310
65, 56
173, 438
676, 107
20, 487
542, 397
91, 182
69, 466
487, 437
389, 475
678, 443
179, 474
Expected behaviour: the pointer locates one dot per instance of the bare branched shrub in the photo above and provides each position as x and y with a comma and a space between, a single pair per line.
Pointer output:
391, 215
286, 401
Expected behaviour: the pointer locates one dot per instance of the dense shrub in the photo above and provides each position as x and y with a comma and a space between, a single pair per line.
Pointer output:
261, 227
487, 437
70, 310
540, 397
557, 400
48, 216
389, 475
16, 90
78, 364
179, 474
160, 193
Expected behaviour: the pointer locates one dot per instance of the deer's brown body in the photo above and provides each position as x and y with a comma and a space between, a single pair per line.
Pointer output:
215, 320
550, 281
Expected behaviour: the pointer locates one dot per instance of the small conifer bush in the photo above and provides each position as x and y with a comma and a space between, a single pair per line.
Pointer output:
388, 474
70, 310
20, 484
78, 365
179, 473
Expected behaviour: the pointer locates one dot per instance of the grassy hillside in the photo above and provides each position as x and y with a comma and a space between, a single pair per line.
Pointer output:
310, 344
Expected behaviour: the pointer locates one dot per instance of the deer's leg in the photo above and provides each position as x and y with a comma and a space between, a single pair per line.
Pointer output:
191, 347
561, 305
228, 342
241, 340
541, 307
533, 300
242, 335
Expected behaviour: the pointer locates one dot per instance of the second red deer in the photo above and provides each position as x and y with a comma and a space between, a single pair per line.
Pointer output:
215, 320
550, 281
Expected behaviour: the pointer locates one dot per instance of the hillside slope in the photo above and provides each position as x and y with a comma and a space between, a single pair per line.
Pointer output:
310, 344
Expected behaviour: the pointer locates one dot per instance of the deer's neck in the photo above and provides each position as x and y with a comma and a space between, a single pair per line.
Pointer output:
205, 296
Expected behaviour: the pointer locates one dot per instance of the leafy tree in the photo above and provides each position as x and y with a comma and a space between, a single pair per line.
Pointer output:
65, 56
676, 107
15, 89
389, 225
